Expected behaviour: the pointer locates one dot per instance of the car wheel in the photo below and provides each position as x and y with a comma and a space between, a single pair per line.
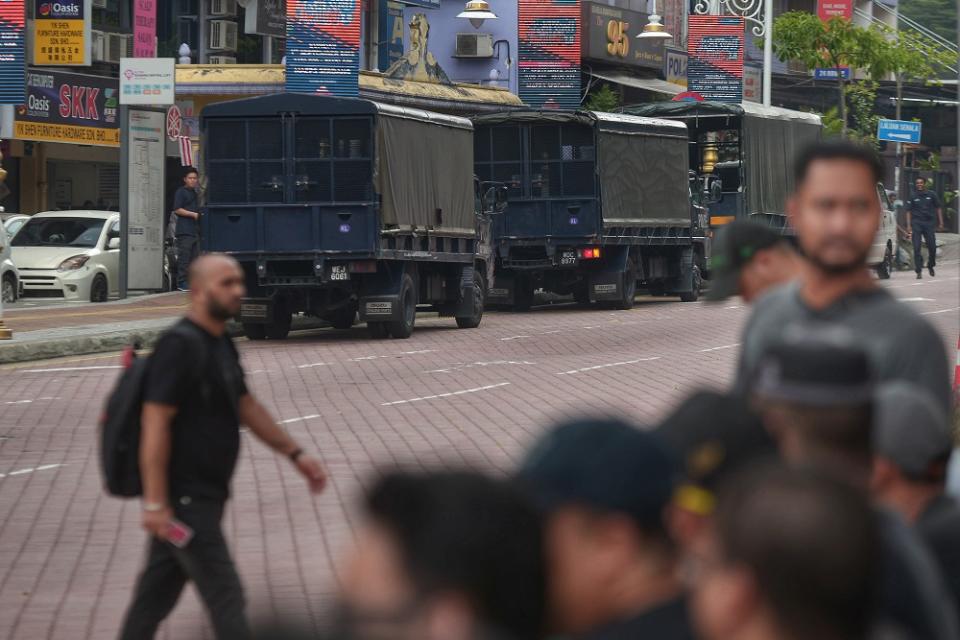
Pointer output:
8, 293
98, 288
886, 266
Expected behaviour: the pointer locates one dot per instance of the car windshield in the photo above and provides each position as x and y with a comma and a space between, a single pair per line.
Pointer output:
14, 225
60, 232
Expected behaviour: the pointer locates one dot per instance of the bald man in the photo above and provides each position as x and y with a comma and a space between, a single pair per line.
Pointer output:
194, 400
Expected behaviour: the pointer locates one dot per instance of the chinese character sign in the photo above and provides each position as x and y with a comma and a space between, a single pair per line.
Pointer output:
12, 53
61, 33
144, 28
323, 47
715, 64
548, 64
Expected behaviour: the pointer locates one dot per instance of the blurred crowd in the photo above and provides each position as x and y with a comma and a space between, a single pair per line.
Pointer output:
806, 501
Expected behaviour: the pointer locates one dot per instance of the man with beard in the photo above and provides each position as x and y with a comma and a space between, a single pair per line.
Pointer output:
194, 399
836, 213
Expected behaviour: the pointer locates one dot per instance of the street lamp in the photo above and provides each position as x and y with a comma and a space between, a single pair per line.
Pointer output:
654, 29
760, 14
477, 11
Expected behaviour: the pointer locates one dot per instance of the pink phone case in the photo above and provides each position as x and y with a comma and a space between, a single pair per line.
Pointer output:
179, 534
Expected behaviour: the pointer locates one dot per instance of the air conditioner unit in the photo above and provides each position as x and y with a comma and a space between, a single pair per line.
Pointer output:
99, 4
98, 45
223, 8
222, 59
223, 35
117, 45
474, 45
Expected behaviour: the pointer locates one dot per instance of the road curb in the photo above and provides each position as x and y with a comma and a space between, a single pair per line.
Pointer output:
115, 340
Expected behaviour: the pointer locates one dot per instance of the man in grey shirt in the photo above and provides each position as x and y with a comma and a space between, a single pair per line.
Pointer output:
835, 212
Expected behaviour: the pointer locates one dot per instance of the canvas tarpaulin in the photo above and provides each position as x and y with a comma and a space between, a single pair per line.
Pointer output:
770, 147
424, 167
643, 179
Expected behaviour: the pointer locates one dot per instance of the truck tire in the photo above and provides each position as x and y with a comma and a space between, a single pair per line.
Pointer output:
472, 322
629, 289
581, 294
378, 330
522, 294
695, 282
403, 329
255, 331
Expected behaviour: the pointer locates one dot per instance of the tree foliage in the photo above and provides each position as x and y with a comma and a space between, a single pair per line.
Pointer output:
940, 16
603, 98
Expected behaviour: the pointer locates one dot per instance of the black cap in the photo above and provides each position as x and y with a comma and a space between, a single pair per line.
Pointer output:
827, 371
605, 465
713, 435
734, 247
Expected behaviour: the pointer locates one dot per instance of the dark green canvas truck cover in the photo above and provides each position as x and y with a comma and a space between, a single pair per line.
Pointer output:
772, 137
423, 162
641, 163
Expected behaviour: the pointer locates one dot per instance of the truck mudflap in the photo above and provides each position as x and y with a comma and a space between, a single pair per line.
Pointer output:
256, 310
605, 282
379, 300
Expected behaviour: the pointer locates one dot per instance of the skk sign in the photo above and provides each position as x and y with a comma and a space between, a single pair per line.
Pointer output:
79, 102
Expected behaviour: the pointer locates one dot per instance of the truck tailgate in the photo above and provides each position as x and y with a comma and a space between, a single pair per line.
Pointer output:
531, 219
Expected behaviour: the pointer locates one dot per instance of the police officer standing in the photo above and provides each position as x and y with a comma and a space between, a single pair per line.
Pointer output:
920, 213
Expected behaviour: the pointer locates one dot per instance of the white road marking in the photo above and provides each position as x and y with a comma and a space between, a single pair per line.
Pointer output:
726, 346
313, 364
59, 369
734, 306
917, 300
19, 402
513, 338
20, 472
547, 333
391, 355
411, 353
460, 367
930, 313
445, 395
605, 366
300, 419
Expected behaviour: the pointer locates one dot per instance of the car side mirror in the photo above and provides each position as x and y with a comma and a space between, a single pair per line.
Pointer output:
113, 243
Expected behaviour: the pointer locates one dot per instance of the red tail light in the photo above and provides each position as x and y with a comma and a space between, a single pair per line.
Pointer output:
590, 253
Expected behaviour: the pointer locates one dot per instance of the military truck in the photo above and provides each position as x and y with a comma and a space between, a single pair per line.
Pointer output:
742, 153
599, 206
336, 207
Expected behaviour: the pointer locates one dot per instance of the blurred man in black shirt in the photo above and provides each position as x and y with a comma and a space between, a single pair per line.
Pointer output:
194, 401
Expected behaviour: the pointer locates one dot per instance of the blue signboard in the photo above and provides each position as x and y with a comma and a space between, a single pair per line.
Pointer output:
12, 53
831, 74
899, 131
323, 47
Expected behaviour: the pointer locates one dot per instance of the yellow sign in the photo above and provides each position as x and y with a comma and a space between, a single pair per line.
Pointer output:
59, 42
618, 42
43, 132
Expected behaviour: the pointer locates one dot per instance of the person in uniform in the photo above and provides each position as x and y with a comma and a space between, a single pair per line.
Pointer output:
921, 209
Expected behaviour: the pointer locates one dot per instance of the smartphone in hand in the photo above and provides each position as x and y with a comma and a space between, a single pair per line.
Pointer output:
179, 534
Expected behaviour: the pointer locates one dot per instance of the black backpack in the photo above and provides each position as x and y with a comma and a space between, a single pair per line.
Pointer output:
120, 424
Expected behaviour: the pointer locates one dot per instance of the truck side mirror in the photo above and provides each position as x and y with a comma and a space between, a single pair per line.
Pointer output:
495, 199
714, 191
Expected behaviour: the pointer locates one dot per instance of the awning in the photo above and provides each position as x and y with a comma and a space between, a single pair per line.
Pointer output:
655, 85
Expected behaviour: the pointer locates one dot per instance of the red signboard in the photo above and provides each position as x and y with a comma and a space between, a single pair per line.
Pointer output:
828, 9
144, 28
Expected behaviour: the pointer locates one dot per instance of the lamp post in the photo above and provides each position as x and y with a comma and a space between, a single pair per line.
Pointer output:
759, 13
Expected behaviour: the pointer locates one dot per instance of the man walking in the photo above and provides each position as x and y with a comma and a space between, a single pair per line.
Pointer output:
920, 216
835, 212
194, 400
186, 207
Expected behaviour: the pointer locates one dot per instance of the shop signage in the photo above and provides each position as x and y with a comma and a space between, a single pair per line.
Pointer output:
752, 83
61, 33
147, 80
390, 48
323, 47
174, 123
69, 107
715, 65
828, 9
12, 52
610, 36
266, 18
832, 73
144, 28
675, 70
548, 65
674, 20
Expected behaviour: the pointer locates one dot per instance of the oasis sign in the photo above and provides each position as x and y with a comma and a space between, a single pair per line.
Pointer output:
61, 33
69, 107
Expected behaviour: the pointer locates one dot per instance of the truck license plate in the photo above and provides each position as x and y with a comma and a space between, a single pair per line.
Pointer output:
339, 272
568, 257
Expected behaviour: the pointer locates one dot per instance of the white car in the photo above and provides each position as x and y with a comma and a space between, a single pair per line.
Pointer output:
885, 244
9, 281
69, 254
12, 223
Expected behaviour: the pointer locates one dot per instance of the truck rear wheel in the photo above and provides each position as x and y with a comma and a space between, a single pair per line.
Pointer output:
696, 282
403, 329
522, 294
628, 290
255, 331
343, 318
473, 321
279, 326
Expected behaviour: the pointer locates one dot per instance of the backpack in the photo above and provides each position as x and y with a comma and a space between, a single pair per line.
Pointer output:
120, 423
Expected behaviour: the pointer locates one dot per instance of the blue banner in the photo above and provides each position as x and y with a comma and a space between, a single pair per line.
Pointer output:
323, 47
12, 52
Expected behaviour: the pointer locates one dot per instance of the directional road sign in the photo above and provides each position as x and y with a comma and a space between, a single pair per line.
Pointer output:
831, 73
899, 131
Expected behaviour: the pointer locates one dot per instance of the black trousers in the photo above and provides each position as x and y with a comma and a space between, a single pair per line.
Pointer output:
924, 232
206, 561
187, 249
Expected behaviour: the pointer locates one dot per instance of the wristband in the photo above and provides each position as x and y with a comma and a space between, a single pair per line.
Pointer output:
296, 453
154, 506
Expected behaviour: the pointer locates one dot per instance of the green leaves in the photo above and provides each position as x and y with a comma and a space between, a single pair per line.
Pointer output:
802, 36
603, 98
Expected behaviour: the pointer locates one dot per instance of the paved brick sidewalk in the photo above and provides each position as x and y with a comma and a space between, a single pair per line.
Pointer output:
69, 555
53, 316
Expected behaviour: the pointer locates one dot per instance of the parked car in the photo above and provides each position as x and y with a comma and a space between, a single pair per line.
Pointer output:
69, 254
9, 281
12, 222
884, 247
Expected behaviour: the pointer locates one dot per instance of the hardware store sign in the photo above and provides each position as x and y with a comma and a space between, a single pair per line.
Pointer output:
61, 33
69, 107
